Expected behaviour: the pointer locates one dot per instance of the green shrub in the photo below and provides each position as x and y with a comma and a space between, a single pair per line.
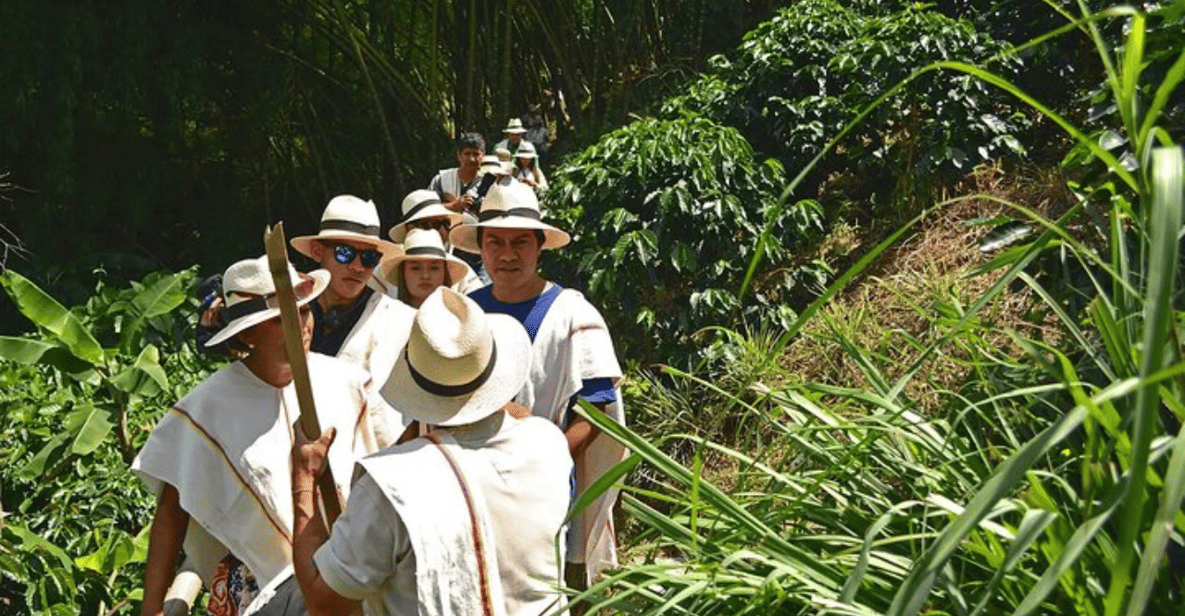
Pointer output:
799, 78
77, 400
666, 216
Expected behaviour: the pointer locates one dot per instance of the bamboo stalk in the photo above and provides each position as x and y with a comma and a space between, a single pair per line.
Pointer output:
277, 260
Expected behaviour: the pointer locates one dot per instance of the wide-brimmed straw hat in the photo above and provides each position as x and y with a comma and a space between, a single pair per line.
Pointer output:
250, 294
460, 364
490, 163
510, 206
526, 149
515, 125
420, 204
346, 217
422, 245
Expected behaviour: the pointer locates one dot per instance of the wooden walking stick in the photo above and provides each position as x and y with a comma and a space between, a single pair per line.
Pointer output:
277, 262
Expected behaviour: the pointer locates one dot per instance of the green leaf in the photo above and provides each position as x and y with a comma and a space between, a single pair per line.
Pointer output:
33, 352
145, 378
161, 297
1005, 235
88, 426
49, 455
51, 316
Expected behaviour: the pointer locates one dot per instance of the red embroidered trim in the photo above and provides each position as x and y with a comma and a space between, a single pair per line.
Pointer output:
483, 576
246, 486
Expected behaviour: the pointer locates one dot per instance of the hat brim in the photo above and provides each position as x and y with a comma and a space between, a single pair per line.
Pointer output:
514, 131
320, 282
457, 269
505, 381
304, 243
464, 236
398, 233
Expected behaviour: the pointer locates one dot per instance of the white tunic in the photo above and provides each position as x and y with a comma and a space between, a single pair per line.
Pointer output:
406, 544
572, 345
378, 337
226, 448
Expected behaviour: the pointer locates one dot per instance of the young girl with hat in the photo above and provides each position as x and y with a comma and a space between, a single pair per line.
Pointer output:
422, 266
527, 170
423, 210
218, 459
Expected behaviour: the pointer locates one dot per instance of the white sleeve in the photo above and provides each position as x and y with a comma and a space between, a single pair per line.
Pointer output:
366, 544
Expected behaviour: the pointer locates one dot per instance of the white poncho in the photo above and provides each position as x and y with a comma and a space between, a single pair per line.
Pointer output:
226, 448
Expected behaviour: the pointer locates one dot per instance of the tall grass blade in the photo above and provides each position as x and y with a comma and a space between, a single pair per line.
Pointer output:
816, 574
1168, 200
1164, 223
916, 587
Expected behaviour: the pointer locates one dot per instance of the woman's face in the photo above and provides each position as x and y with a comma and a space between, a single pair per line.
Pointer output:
422, 276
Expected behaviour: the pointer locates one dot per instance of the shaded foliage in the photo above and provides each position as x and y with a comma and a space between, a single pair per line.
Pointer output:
77, 399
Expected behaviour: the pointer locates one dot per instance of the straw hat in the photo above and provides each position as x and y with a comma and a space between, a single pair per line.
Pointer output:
515, 125
346, 217
490, 163
250, 294
511, 206
460, 364
526, 149
423, 245
420, 204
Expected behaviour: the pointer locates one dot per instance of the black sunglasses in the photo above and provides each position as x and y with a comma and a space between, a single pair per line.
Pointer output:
345, 253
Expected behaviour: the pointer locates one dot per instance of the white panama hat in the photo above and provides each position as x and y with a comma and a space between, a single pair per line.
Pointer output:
460, 364
511, 206
423, 245
515, 125
526, 149
490, 163
346, 217
418, 205
250, 294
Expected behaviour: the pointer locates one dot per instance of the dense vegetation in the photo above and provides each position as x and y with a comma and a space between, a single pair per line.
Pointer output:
968, 464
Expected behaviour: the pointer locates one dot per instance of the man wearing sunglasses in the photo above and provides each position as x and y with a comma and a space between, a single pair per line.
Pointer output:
351, 320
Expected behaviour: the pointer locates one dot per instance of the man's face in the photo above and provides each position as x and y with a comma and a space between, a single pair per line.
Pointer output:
469, 159
346, 280
510, 255
514, 137
268, 336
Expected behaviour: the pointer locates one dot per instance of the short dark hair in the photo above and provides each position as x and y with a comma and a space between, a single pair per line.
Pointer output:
539, 235
471, 140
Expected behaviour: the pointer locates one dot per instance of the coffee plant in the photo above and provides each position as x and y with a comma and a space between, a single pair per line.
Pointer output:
666, 216
799, 78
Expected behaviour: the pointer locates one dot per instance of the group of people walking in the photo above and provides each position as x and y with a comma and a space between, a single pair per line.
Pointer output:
446, 395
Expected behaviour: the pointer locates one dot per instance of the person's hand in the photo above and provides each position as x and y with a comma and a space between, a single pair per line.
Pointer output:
529, 182
309, 457
209, 316
516, 410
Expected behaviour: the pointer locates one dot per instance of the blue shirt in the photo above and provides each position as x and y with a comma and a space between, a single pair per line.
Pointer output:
530, 313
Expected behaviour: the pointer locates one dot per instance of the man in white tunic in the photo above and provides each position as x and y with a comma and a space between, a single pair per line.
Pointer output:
461, 521
218, 459
573, 354
352, 320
